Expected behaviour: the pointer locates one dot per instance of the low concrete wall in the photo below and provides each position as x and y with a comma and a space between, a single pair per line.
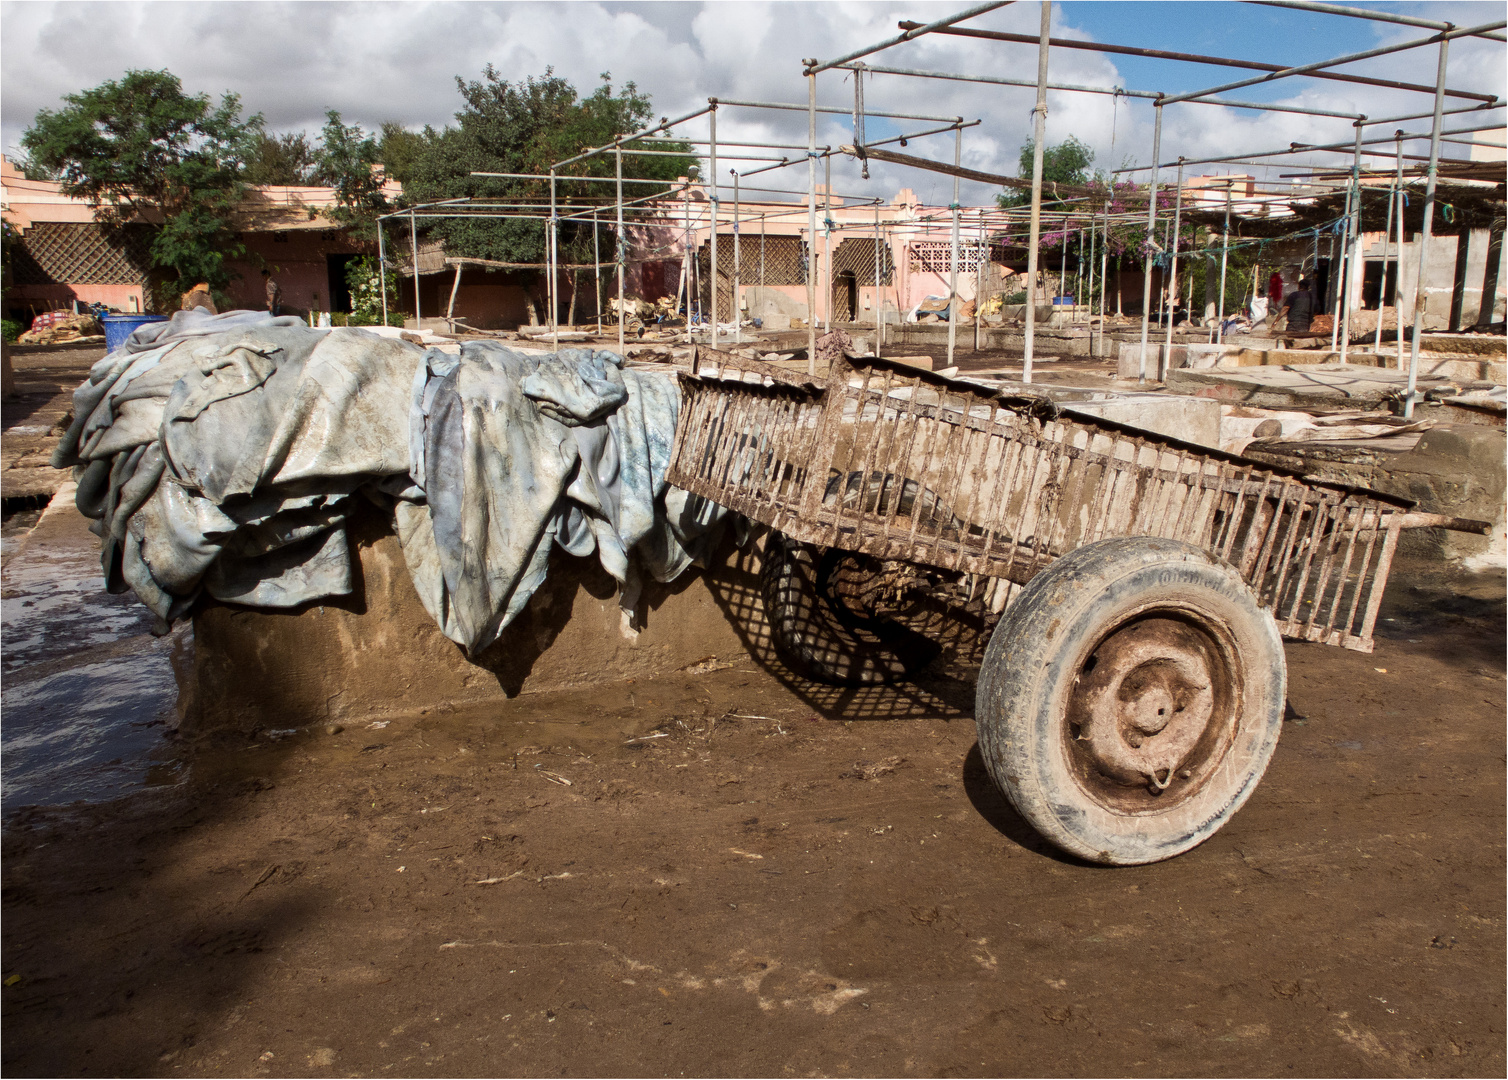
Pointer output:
1195, 420
1048, 341
379, 653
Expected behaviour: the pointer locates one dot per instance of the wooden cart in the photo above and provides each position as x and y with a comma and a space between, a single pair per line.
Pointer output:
1133, 687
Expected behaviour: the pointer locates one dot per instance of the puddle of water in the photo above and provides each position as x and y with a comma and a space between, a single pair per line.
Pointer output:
87, 693
92, 732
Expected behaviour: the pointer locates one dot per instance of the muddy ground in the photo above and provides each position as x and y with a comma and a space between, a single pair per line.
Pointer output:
726, 872
731, 872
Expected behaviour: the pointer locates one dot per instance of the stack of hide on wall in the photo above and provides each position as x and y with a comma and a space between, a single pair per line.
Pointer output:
219, 456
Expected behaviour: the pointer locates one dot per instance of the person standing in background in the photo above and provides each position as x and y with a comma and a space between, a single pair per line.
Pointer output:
1274, 291
274, 293
1299, 307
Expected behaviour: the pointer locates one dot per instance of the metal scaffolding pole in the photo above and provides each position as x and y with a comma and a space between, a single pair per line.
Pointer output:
1039, 132
1167, 357
413, 237
915, 30
878, 292
827, 249
1216, 61
1353, 256
1224, 260
382, 269
953, 252
811, 217
551, 258
1387, 239
1310, 69
597, 273
1104, 269
1398, 272
1078, 271
712, 233
620, 244
738, 319
1421, 295
979, 266
1146, 285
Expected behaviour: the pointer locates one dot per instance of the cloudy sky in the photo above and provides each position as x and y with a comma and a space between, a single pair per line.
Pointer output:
398, 61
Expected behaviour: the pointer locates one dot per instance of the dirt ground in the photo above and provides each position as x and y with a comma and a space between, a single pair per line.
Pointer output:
728, 872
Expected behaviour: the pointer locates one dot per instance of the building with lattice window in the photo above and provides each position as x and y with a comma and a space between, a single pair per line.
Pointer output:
61, 254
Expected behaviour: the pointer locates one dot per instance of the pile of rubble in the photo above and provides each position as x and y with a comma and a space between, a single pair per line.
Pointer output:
58, 328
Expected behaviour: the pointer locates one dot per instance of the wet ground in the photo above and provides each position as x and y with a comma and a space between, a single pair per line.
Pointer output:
704, 874
727, 871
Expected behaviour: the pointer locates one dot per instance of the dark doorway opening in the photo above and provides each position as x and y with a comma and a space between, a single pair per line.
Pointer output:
1379, 283
1322, 297
340, 292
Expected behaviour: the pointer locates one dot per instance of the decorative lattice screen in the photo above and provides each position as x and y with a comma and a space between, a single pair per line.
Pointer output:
82, 253
856, 256
784, 263
933, 255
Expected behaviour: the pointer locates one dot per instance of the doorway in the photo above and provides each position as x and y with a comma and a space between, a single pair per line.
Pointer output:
340, 293
1379, 284
845, 297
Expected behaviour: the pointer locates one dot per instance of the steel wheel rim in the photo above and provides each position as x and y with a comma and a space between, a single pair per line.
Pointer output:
1154, 709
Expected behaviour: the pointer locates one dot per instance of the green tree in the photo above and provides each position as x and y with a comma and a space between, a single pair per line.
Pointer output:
1067, 163
346, 157
142, 148
524, 127
288, 159
398, 148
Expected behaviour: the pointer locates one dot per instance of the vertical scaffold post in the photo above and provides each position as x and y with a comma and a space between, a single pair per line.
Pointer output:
879, 294
1350, 250
1224, 259
1039, 131
979, 267
1421, 296
712, 232
597, 273
1167, 359
382, 268
550, 266
738, 318
620, 244
1146, 285
413, 238
827, 244
1387, 239
953, 250
1398, 273
811, 220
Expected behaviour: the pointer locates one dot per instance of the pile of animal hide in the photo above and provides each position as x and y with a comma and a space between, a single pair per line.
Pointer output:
221, 455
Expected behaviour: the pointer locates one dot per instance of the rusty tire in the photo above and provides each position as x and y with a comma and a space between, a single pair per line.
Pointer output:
1131, 699
818, 635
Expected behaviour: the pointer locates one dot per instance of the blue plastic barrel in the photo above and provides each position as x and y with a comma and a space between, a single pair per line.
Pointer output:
120, 327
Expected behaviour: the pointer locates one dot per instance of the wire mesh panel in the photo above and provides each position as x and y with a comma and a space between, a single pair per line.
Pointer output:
902, 464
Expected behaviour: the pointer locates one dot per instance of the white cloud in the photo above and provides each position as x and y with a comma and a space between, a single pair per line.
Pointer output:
398, 61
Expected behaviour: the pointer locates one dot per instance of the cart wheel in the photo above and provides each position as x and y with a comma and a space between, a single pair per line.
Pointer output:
822, 627
1131, 698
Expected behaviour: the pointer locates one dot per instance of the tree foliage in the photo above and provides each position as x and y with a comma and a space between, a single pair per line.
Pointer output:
141, 147
289, 160
524, 127
1066, 163
346, 159
398, 149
